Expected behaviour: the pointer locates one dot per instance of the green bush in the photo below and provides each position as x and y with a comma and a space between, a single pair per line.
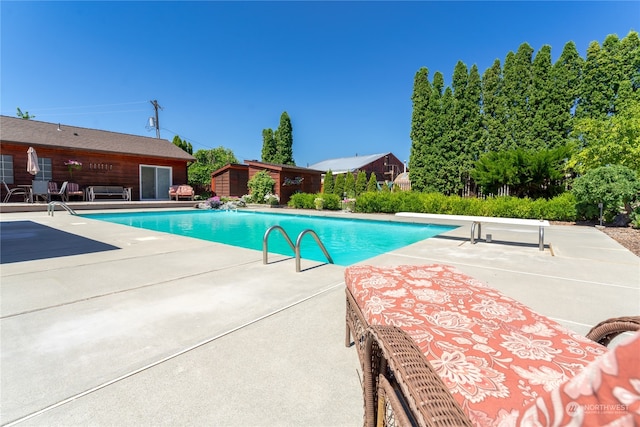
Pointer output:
560, 208
308, 201
260, 185
615, 186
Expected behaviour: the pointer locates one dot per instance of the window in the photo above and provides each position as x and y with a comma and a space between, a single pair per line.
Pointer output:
6, 168
45, 173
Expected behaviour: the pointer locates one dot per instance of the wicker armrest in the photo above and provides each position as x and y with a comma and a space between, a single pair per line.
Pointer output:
401, 386
607, 330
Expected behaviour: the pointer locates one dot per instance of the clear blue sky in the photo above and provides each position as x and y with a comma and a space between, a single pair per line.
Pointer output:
224, 71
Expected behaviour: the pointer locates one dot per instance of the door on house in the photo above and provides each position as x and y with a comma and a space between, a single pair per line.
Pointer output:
154, 182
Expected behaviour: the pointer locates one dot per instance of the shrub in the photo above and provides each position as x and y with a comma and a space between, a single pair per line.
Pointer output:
260, 185
560, 208
615, 186
308, 201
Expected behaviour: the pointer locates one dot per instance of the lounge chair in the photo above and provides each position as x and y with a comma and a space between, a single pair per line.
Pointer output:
73, 190
40, 189
53, 191
18, 191
438, 347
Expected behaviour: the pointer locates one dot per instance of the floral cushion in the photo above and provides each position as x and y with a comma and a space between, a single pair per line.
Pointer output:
495, 355
605, 393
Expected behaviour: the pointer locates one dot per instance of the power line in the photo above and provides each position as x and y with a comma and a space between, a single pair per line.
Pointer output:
89, 106
86, 113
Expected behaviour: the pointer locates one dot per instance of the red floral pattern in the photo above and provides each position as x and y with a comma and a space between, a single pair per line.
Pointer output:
605, 393
495, 355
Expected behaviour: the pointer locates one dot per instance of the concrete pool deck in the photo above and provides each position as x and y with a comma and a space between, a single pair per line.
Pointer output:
170, 330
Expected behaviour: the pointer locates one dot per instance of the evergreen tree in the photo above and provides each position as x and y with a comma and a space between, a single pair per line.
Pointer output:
328, 182
540, 100
284, 141
566, 75
629, 89
420, 131
592, 91
372, 184
268, 146
447, 178
361, 182
350, 185
493, 115
338, 185
517, 90
184, 145
472, 128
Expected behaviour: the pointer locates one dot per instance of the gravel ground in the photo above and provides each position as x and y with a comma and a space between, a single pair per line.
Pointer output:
626, 236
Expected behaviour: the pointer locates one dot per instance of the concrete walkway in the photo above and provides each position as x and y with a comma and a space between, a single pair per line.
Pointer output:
168, 330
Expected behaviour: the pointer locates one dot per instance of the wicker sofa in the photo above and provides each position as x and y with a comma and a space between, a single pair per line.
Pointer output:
438, 347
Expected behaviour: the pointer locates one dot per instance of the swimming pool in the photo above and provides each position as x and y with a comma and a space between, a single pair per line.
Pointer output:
347, 240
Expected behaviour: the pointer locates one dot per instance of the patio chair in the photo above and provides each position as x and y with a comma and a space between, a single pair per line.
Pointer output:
18, 191
53, 191
74, 190
40, 189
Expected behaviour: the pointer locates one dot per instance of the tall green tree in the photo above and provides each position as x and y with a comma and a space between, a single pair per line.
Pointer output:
268, 146
372, 184
565, 92
350, 185
328, 183
361, 182
517, 90
421, 130
493, 113
284, 141
338, 185
540, 100
183, 144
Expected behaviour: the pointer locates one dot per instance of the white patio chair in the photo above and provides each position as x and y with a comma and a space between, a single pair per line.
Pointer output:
18, 191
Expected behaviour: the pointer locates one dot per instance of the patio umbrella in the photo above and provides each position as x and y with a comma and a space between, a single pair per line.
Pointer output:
32, 161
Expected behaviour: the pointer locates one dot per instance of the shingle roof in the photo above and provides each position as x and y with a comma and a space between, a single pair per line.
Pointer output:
346, 164
33, 132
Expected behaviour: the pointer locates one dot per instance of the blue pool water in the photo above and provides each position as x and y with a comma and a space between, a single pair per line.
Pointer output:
347, 240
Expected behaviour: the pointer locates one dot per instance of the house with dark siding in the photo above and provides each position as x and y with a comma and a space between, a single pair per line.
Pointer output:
147, 165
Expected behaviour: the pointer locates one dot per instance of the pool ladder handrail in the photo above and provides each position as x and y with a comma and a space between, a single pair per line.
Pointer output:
295, 248
51, 207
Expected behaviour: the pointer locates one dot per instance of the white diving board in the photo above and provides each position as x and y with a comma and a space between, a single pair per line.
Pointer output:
478, 220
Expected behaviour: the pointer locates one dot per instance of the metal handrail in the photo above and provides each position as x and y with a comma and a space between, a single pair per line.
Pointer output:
265, 243
51, 207
317, 239
296, 247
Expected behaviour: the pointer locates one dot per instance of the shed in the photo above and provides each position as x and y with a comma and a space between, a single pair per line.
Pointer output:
231, 180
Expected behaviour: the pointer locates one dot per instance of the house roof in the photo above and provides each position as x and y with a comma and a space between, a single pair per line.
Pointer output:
347, 164
279, 167
31, 132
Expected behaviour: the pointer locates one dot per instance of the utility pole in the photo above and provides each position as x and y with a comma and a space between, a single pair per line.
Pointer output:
157, 122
